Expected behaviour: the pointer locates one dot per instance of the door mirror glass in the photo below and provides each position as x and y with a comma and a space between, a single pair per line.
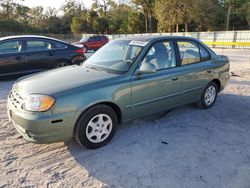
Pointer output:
146, 68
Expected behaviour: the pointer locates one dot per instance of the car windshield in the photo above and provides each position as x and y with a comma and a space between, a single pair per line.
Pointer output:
116, 56
84, 39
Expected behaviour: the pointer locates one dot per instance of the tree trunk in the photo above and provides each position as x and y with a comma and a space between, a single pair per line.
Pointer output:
150, 22
177, 28
228, 16
186, 27
169, 29
146, 23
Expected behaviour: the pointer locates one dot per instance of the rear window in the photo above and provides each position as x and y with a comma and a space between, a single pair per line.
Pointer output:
204, 54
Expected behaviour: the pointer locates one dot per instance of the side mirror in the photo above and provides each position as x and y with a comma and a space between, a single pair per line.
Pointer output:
146, 68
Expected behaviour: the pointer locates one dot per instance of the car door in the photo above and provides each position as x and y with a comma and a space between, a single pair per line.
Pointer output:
12, 57
195, 67
159, 91
39, 54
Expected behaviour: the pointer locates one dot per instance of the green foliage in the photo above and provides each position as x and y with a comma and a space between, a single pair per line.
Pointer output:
137, 16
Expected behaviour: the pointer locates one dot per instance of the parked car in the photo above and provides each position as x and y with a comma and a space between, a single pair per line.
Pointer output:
28, 54
93, 42
127, 79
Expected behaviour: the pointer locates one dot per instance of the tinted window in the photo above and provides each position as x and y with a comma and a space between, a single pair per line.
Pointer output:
204, 54
91, 39
36, 45
161, 55
10, 47
189, 52
59, 45
98, 38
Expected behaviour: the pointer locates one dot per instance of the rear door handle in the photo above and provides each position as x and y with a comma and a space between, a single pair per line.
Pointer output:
18, 58
175, 79
51, 54
209, 71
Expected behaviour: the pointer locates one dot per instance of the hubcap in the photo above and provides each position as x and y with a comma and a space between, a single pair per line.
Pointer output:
62, 64
210, 95
99, 128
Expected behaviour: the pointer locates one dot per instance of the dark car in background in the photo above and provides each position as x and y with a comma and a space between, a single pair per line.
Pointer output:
93, 42
27, 54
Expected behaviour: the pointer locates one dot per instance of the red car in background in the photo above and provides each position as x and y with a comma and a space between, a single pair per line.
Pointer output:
93, 42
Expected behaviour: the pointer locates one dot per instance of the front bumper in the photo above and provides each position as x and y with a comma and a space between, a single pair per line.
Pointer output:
42, 128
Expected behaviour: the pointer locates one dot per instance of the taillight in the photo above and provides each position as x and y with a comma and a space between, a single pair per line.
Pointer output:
80, 51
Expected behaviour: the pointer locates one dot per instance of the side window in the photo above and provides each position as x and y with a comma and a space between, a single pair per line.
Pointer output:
91, 39
161, 55
10, 47
98, 38
189, 52
59, 45
204, 54
36, 45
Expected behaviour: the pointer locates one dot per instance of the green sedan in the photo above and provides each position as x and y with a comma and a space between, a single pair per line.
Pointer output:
126, 79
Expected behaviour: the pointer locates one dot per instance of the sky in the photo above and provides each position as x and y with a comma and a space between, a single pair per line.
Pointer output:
51, 3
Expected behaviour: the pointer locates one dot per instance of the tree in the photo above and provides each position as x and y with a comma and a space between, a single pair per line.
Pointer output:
229, 4
147, 8
169, 13
8, 7
245, 9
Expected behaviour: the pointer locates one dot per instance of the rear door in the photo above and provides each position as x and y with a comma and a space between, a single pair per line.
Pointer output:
159, 91
195, 65
12, 57
39, 54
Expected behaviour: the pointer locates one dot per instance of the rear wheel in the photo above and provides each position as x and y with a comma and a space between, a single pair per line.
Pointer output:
61, 63
96, 126
208, 96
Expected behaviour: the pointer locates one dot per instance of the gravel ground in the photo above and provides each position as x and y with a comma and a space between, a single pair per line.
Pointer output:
188, 147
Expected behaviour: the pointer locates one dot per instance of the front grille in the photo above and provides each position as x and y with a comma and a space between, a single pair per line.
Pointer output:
15, 99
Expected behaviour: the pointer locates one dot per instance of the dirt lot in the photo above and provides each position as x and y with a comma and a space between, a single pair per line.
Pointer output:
188, 147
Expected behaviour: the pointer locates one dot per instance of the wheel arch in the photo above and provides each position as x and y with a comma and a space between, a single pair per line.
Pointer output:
112, 105
218, 83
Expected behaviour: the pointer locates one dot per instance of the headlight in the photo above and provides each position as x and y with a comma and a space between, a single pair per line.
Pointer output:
38, 103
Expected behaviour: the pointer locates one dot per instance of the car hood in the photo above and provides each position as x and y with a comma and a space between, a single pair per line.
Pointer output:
58, 80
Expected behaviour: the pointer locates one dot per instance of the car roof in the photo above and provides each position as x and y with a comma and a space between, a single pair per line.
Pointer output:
146, 38
29, 36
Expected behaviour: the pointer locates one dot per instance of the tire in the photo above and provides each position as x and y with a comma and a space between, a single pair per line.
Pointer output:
61, 63
96, 126
208, 96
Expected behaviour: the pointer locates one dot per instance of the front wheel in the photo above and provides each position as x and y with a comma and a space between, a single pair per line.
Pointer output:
96, 126
208, 96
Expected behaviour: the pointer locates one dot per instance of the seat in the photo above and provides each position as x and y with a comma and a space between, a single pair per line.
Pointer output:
160, 59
